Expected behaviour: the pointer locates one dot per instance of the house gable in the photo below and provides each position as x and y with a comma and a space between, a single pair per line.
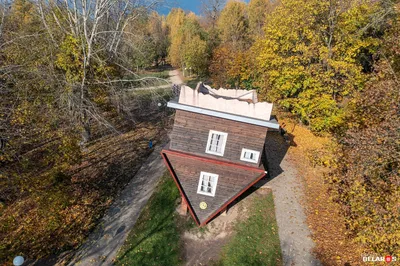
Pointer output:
233, 180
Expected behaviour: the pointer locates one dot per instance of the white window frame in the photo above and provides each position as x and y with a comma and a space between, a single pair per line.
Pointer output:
256, 153
223, 142
213, 189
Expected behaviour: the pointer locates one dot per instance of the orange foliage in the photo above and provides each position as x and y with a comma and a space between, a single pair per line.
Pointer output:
232, 68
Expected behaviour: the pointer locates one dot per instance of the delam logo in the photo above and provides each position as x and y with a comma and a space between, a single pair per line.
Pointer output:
387, 259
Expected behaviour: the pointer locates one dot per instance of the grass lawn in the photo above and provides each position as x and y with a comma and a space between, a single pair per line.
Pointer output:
256, 240
155, 239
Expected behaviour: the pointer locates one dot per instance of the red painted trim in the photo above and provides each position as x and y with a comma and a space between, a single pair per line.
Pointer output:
235, 197
209, 160
174, 177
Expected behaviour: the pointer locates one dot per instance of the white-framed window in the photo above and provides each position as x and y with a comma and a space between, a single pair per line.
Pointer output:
207, 184
216, 142
249, 156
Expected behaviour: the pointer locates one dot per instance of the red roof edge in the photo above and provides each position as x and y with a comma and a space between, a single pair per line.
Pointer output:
215, 161
168, 164
232, 199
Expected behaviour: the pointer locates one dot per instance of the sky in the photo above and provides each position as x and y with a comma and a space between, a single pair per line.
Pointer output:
187, 5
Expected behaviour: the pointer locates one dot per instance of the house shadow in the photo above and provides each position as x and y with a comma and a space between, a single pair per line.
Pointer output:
275, 149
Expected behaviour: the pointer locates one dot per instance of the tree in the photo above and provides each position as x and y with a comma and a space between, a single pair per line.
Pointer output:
62, 65
158, 31
195, 55
175, 20
100, 29
211, 9
188, 48
233, 69
310, 57
367, 180
233, 25
257, 12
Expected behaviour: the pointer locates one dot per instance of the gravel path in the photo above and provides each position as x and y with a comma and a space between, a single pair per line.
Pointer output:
175, 77
103, 244
287, 187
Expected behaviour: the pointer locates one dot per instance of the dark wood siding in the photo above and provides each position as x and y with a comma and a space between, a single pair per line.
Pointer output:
190, 134
231, 181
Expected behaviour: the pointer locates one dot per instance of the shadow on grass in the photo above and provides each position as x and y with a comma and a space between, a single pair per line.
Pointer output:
159, 227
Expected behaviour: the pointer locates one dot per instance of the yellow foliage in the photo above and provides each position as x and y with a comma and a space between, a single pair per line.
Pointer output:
309, 58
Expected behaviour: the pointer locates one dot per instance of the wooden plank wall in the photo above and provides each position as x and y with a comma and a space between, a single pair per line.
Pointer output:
190, 134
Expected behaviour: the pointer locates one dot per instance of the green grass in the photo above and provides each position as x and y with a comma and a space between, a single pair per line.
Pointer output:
155, 239
256, 241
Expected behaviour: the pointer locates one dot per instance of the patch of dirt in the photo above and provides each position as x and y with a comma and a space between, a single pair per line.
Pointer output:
203, 246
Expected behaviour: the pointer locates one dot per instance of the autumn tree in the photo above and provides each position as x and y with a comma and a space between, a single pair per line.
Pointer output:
175, 20
188, 49
257, 13
211, 10
311, 57
146, 42
232, 68
61, 65
231, 55
99, 30
367, 180
158, 31
233, 25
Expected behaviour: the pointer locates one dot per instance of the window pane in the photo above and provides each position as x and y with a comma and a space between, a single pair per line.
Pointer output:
221, 139
216, 142
210, 148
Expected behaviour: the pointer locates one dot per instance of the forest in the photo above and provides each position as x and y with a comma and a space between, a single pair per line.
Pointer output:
67, 69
